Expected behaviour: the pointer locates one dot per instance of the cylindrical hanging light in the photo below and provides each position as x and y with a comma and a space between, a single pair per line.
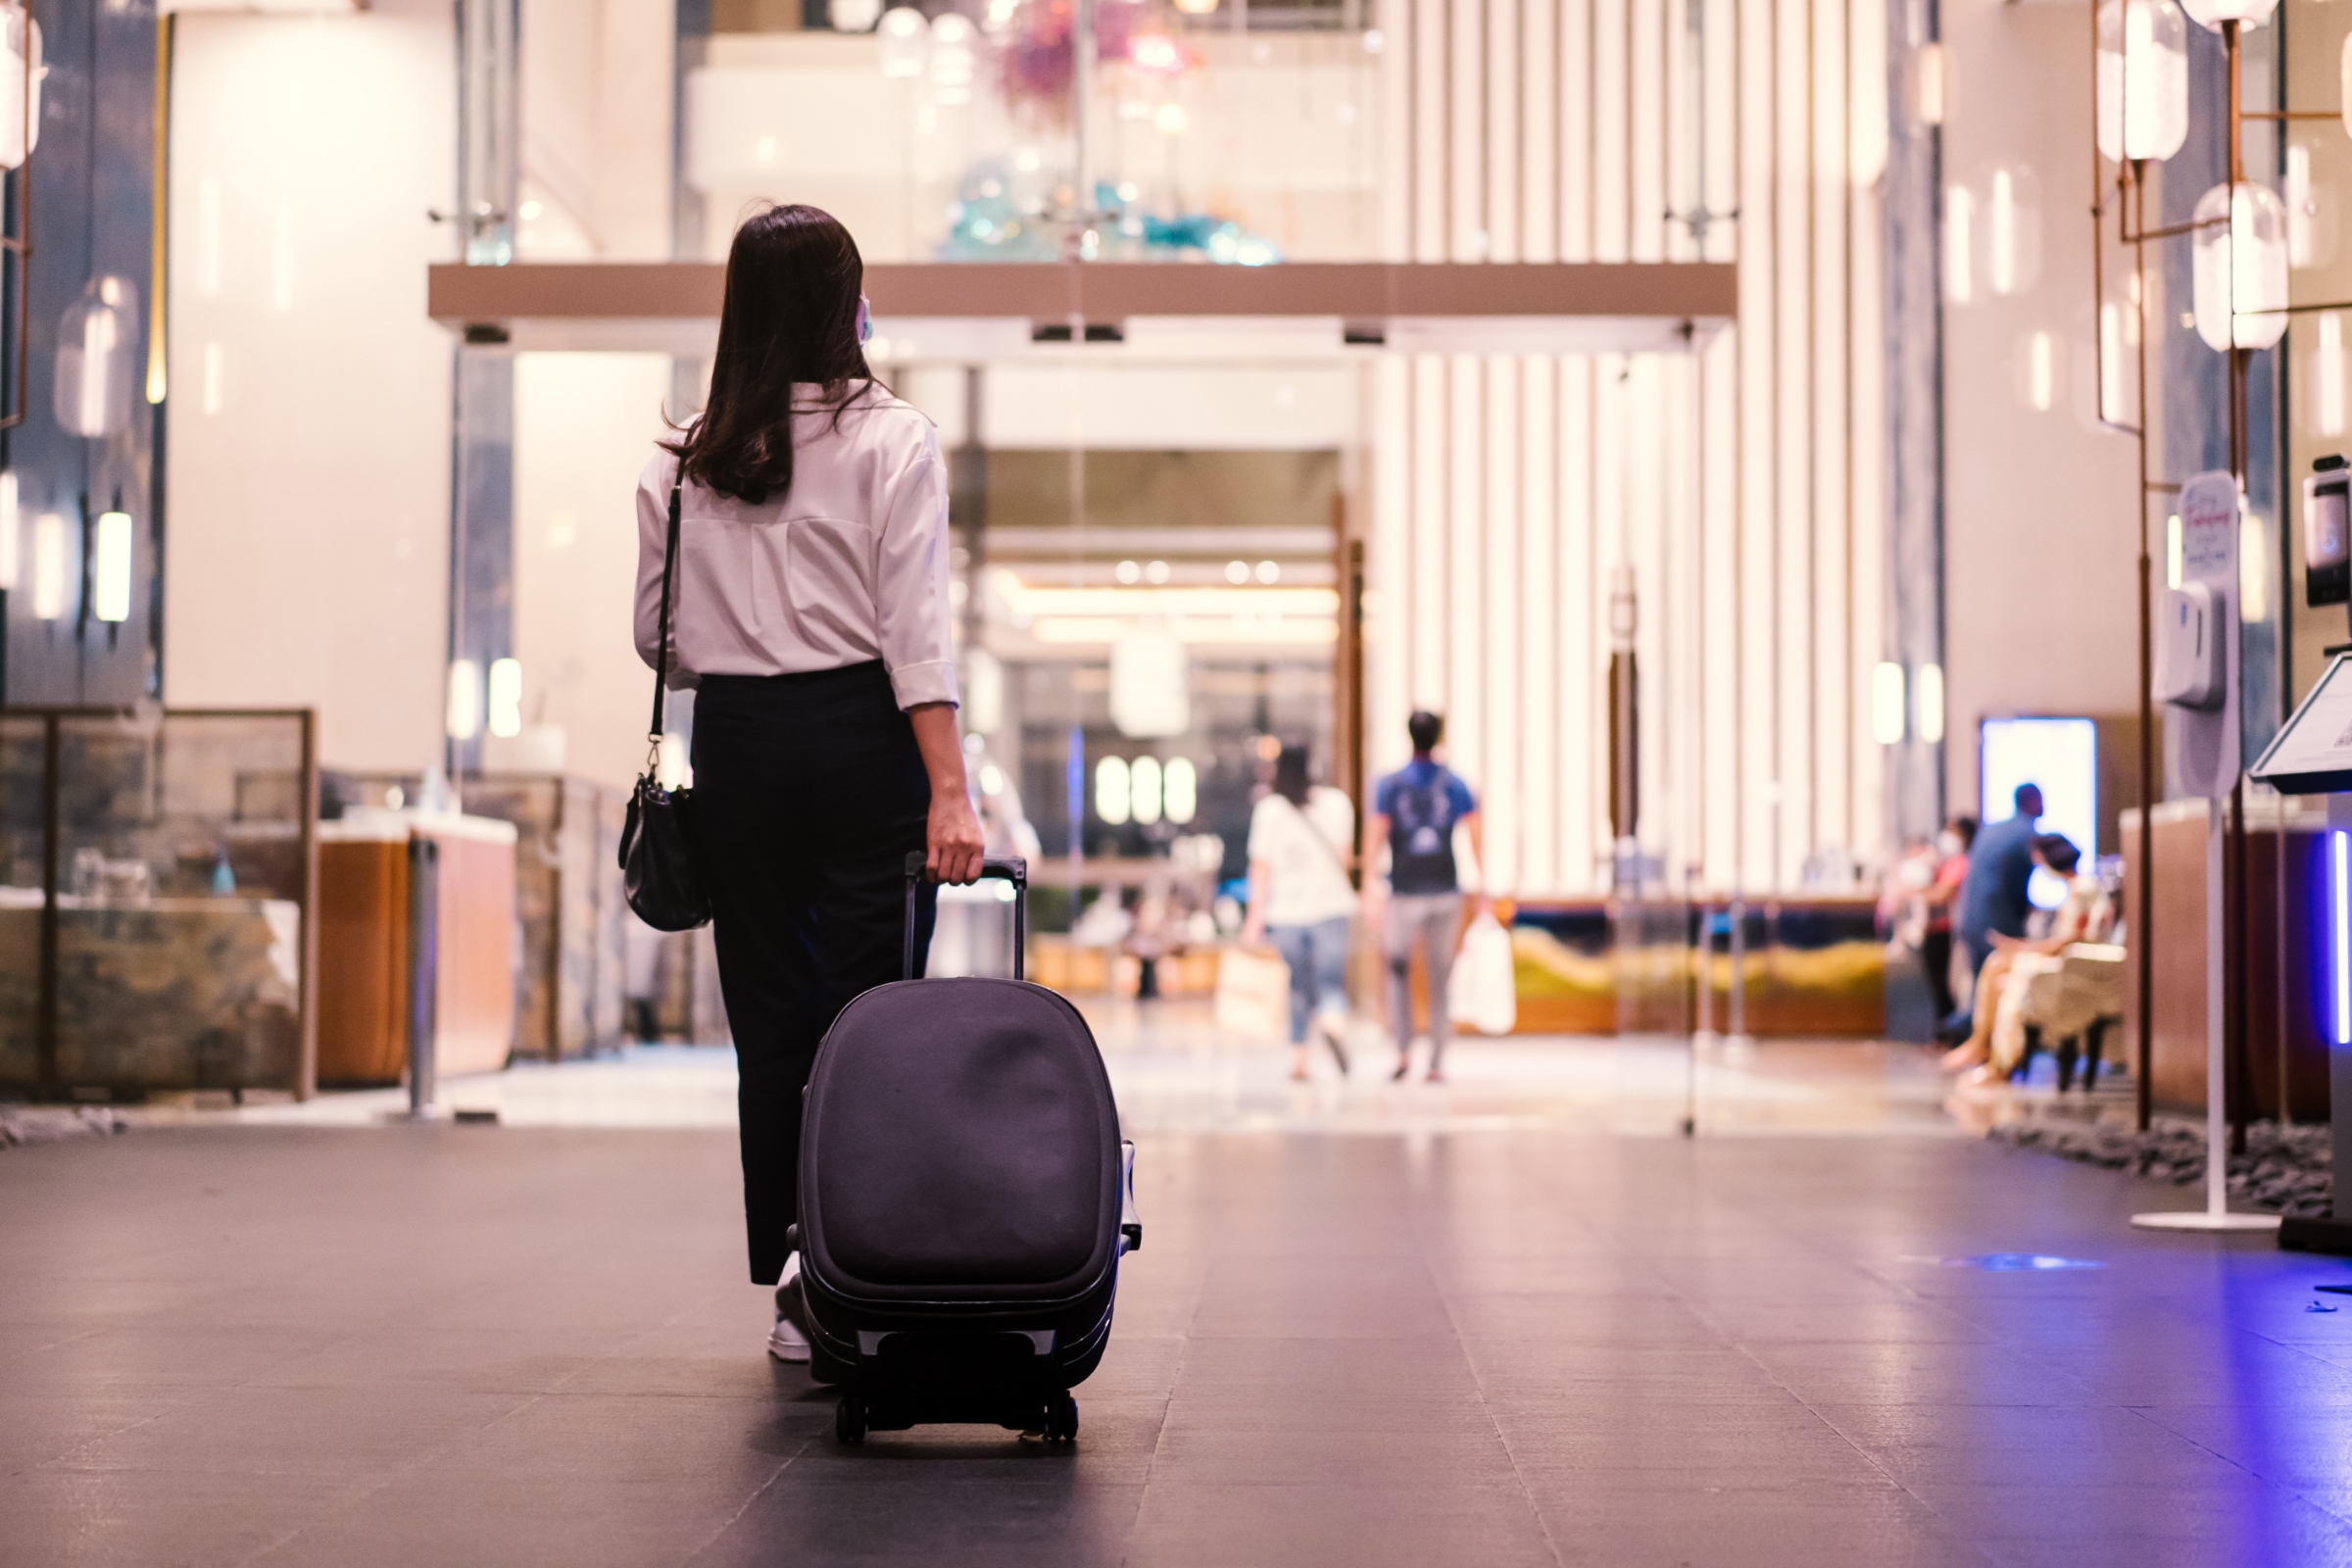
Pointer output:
463, 718
95, 337
2240, 266
2143, 79
903, 31
21, 74
1150, 683
48, 566
11, 546
110, 574
952, 66
2012, 229
1112, 790
506, 697
2210, 14
1143, 789
2343, 71
1180, 791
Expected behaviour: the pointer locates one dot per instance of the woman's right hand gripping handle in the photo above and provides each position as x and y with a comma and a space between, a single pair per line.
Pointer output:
953, 846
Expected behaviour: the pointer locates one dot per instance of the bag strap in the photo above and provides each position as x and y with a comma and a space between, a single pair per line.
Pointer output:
669, 563
1313, 832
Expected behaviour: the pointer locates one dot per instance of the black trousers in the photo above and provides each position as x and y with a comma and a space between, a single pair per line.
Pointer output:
1935, 957
809, 791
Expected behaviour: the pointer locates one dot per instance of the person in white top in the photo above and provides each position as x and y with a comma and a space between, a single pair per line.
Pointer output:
1299, 893
810, 608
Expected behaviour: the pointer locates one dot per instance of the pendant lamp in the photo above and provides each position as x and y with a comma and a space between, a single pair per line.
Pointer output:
1150, 683
21, 74
2343, 72
95, 337
2239, 267
1112, 790
953, 65
110, 567
11, 546
2143, 79
1180, 791
903, 32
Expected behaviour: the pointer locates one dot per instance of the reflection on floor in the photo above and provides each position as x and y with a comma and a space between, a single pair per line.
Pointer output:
1174, 1070
1552, 1344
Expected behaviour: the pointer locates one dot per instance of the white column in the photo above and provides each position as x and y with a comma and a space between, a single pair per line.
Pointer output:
1505, 653
1540, 617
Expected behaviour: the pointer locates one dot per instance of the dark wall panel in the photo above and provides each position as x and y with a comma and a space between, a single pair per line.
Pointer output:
94, 177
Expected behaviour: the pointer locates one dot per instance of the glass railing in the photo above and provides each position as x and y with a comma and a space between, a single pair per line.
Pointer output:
1187, 141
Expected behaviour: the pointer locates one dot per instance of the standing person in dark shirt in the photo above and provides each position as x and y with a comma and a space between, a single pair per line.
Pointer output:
1993, 898
1414, 813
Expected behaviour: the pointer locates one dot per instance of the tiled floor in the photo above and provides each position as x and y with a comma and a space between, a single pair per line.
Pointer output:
1479, 1344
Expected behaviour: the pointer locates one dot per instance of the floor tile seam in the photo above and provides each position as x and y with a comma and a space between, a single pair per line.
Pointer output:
1996, 1338
1159, 1437
383, 1478
1867, 1457
2140, 1413
74, 1337
56, 1459
2341, 1510
1527, 1496
757, 1492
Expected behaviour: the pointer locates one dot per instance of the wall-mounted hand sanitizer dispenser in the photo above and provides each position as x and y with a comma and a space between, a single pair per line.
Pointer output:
2189, 655
2328, 533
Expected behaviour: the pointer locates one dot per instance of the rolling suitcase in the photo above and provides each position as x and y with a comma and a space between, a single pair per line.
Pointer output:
965, 1199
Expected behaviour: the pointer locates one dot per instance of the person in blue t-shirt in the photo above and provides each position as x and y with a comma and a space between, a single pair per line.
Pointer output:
1414, 813
1993, 898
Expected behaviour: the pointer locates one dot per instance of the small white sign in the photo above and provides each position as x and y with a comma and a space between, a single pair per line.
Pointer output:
2318, 739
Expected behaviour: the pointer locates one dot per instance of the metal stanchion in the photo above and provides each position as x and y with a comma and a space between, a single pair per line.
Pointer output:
424, 972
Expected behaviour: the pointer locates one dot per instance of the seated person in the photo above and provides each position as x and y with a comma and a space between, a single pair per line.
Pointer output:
2087, 915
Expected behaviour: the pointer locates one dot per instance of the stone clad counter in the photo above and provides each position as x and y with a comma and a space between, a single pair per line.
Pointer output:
155, 877
169, 994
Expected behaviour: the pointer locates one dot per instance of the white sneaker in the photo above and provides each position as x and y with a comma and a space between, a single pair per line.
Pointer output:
786, 1342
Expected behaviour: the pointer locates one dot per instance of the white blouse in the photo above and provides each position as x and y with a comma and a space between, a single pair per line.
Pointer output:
1306, 877
849, 566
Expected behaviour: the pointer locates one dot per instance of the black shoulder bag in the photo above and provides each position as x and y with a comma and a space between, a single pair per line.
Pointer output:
657, 855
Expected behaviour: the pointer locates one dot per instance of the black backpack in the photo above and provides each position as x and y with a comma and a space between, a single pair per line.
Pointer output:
1421, 840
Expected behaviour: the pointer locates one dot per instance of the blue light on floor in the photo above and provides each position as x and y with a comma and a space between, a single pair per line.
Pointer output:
2020, 1263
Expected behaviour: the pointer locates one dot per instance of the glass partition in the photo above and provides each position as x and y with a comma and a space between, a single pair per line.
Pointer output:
158, 870
979, 137
1144, 629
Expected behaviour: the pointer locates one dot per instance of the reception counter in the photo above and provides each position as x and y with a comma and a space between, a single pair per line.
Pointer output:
1810, 965
367, 960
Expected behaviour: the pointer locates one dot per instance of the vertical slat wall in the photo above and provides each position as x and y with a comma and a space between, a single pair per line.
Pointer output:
1744, 483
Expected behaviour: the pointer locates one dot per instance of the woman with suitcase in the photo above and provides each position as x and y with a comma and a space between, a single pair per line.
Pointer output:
809, 605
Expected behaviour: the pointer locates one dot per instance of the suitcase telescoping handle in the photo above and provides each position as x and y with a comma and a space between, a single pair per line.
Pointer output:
1011, 868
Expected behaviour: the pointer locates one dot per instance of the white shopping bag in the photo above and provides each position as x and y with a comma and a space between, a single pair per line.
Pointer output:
1485, 992
1254, 993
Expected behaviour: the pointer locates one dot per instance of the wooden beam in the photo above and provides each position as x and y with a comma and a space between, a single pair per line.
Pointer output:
1108, 292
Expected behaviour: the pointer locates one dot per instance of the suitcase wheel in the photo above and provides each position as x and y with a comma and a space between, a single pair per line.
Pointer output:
1061, 1419
848, 1419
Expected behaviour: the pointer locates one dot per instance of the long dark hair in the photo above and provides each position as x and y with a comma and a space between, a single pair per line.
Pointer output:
1290, 774
790, 314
